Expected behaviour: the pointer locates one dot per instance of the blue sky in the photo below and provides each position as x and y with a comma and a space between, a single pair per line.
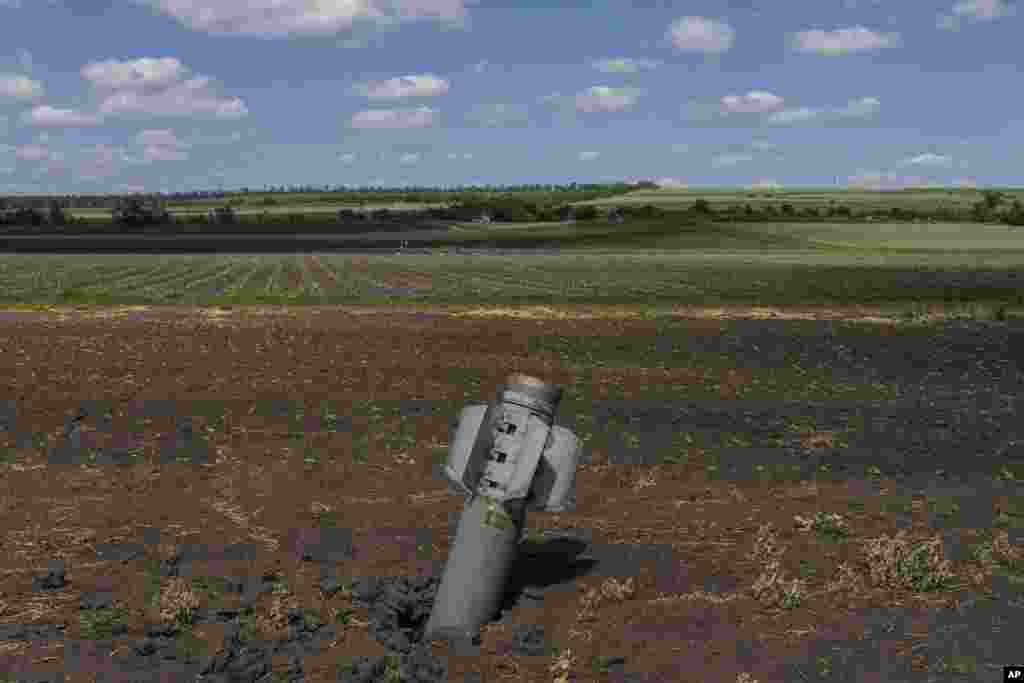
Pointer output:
169, 95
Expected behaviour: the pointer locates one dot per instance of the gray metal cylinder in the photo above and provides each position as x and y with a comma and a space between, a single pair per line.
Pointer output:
537, 393
477, 569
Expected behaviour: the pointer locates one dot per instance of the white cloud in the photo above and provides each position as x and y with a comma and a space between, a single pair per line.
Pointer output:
421, 85
793, 115
860, 108
143, 73
161, 145
730, 159
753, 101
623, 65
929, 159
409, 159
671, 183
975, 10
190, 98
419, 117
877, 180
32, 153
158, 153
198, 139
843, 40
498, 115
20, 87
700, 34
589, 156
601, 98
47, 116
864, 107
347, 158
280, 18
158, 87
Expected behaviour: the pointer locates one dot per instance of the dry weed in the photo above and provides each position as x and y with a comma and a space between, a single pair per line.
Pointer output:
892, 562
178, 601
610, 591
766, 545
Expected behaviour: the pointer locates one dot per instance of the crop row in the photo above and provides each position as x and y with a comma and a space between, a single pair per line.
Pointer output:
334, 278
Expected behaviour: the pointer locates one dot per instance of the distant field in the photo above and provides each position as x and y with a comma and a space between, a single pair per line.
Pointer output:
855, 199
195, 208
905, 236
699, 278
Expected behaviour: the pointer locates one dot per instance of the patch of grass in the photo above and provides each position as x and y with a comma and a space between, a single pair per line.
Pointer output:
101, 624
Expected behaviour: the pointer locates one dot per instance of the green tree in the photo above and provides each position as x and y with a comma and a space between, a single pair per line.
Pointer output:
702, 206
57, 216
992, 199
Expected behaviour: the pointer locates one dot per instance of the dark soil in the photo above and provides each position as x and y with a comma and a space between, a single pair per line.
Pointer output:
255, 497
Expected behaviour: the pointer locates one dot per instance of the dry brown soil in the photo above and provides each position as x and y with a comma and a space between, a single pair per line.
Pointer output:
258, 488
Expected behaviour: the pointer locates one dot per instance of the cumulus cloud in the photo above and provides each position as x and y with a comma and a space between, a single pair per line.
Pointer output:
929, 159
699, 34
421, 85
589, 156
32, 153
877, 180
158, 87
730, 159
761, 108
623, 65
20, 87
146, 72
843, 40
975, 11
190, 98
602, 98
46, 116
862, 108
161, 144
753, 102
497, 115
282, 18
419, 117
794, 115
